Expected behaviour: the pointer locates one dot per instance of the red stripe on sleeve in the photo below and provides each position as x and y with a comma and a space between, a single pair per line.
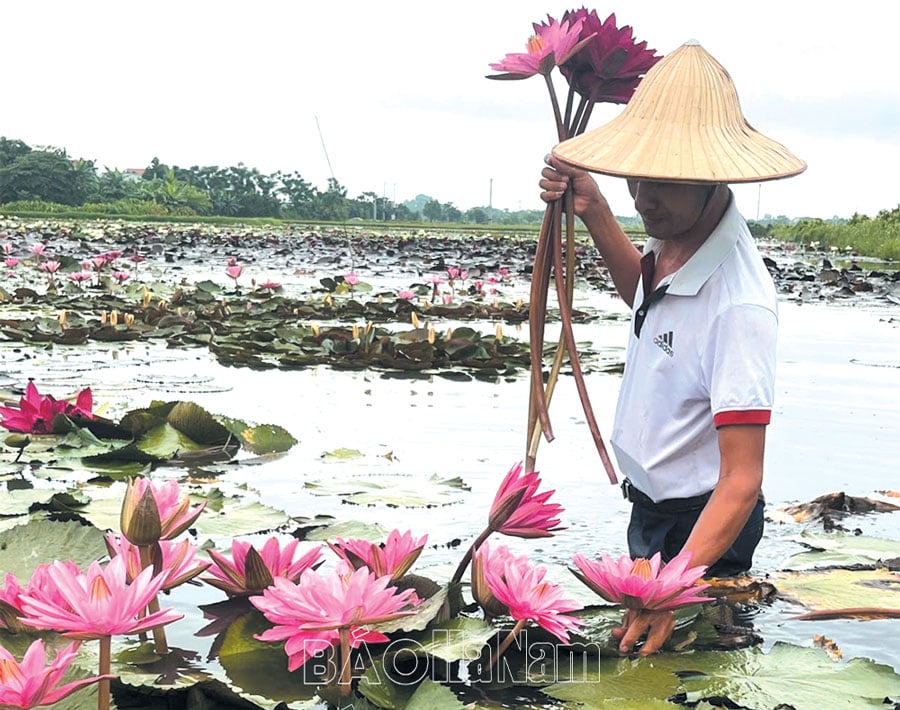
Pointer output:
745, 416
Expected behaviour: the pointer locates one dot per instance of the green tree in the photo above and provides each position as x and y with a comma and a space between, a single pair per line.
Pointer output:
11, 150
47, 175
331, 205
432, 211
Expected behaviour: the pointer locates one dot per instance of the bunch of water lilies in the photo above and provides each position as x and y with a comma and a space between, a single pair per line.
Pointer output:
314, 614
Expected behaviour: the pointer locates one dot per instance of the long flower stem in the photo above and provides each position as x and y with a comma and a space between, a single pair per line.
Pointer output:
103, 699
344, 684
160, 644
537, 314
510, 637
464, 562
566, 318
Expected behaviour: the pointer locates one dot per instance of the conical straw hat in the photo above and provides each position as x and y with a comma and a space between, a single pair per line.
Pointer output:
684, 123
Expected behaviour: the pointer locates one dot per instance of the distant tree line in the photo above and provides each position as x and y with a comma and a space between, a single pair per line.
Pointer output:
47, 179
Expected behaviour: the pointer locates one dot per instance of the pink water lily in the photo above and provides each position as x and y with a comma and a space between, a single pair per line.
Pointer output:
312, 614
12, 262
51, 267
610, 65
641, 583
393, 558
528, 595
519, 510
483, 558
351, 278
36, 412
172, 507
32, 683
405, 294
10, 606
97, 603
251, 571
178, 561
551, 45
234, 272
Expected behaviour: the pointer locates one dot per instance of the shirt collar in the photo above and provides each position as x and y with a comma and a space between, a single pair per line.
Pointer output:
688, 280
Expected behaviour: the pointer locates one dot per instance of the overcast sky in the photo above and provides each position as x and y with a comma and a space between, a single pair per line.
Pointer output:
391, 96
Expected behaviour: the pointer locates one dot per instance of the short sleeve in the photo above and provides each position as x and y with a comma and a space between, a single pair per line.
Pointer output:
739, 365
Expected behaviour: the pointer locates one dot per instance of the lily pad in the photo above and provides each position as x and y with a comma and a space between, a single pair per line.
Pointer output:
842, 589
347, 529
392, 490
802, 678
841, 550
24, 547
459, 639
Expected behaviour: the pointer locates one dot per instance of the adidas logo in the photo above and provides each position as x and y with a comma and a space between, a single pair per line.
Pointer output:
664, 341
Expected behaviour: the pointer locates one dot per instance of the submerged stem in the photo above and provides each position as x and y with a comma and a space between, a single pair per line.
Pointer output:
495, 656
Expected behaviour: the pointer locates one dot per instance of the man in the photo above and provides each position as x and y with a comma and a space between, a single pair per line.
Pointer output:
689, 430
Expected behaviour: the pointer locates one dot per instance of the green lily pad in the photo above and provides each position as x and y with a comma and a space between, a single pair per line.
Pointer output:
392, 490
24, 547
347, 529
459, 639
842, 589
261, 667
237, 518
342, 454
841, 550
261, 439
19, 502
802, 678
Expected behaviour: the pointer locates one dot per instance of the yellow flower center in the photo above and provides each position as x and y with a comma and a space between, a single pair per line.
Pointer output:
100, 589
535, 45
641, 567
9, 671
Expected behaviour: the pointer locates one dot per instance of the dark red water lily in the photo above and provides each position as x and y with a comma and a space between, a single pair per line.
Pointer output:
36, 412
609, 67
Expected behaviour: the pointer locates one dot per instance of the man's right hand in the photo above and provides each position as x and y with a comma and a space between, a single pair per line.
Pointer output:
557, 176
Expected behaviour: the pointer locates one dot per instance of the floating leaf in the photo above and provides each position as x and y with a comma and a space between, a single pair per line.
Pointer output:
24, 547
261, 667
392, 490
802, 678
459, 639
342, 455
197, 424
261, 439
347, 529
841, 550
842, 589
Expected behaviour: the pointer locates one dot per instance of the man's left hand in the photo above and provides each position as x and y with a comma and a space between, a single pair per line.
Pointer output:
657, 625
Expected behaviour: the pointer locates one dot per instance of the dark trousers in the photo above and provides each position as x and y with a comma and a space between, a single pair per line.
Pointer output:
651, 531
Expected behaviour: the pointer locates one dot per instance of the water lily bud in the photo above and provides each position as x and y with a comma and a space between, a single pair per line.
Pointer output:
63, 317
257, 574
431, 334
315, 329
355, 331
103, 318
415, 319
114, 318
129, 319
145, 300
17, 441
499, 331
140, 520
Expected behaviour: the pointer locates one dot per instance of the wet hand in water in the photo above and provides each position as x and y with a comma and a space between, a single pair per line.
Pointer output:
657, 625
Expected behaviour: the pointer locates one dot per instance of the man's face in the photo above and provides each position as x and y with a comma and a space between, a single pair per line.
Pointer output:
669, 209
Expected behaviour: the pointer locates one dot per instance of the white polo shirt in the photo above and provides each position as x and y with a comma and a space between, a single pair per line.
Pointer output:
705, 358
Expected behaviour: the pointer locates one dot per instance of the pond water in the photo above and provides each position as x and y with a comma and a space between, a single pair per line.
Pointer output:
836, 427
